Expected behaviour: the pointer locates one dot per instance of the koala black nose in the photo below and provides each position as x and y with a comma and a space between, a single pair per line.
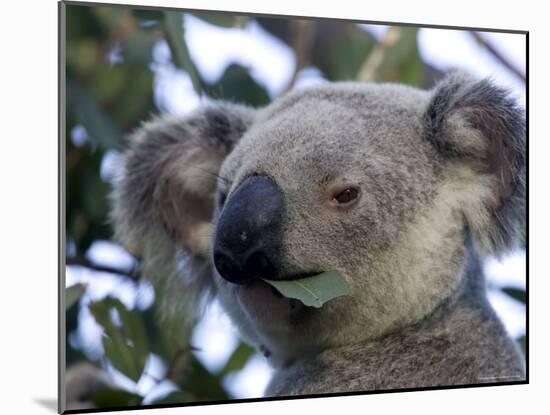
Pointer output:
247, 240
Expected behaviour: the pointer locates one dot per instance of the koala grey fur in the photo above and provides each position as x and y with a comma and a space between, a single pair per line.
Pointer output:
441, 179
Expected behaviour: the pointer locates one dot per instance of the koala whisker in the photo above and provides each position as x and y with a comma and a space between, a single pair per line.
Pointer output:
224, 179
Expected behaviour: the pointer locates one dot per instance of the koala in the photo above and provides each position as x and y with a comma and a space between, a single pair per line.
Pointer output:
401, 190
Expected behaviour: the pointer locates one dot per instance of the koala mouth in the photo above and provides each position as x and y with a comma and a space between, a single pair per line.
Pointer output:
258, 282
292, 277
267, 307
275, 292
259, 295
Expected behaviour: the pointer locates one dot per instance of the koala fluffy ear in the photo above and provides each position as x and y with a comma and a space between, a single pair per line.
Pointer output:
163, 199
478, 123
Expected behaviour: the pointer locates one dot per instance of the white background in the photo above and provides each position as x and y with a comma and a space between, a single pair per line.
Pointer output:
28, 227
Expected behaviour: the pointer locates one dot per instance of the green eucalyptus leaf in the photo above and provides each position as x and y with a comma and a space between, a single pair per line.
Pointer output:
173, 22
138, 47
515, 293
237, 85
314, 291
108, 82
115, 398
121, 356
83, 23
398, 59
148, 19
202, 384
131, 105
522, 341
238, 359
73, 294
175, 397
124, 341
347, 50
99, 125
222, 19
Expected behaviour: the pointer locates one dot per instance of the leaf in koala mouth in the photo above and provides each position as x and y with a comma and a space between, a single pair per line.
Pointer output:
313, 291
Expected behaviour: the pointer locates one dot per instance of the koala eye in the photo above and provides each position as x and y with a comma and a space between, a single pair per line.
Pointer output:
346, 196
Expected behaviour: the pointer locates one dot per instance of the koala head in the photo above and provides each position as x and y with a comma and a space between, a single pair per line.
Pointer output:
381, 182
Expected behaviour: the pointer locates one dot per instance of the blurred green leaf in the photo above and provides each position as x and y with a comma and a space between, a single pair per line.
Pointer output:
170, 331
108, 82
148, 18
100, 127
402, 61
73, 294
115, 398
136, 102
202, 384
73, 355
138, 47
158, 342
277, 26
86, 195
238, 359
394, 59
121, 357
82, 57
94, 198
237, 85
112, 19
81, 24
522, 341
180, 53
515, 293
339, 51
169, 334
222, 19
126, 344
175, 397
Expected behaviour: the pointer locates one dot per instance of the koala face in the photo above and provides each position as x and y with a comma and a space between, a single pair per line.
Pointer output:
331, 179
383, 183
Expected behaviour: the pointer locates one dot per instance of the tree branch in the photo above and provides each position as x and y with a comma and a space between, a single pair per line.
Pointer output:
301, 41
493, 51
369, 69
132, 274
